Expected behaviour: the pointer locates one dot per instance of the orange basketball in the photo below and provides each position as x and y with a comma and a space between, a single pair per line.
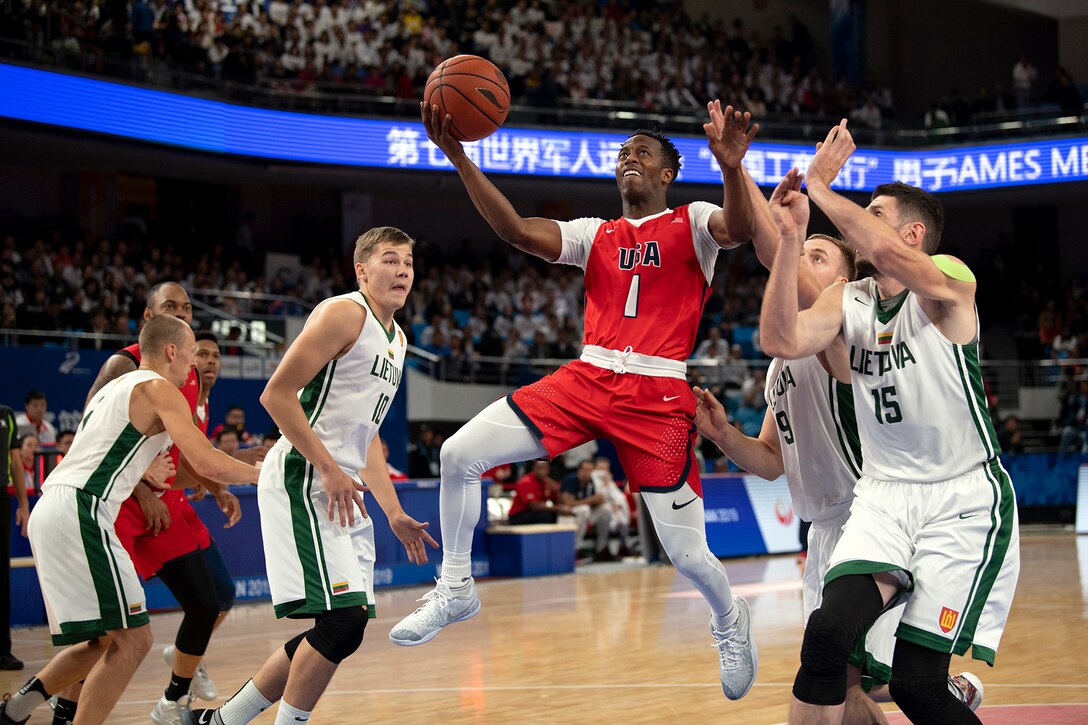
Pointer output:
473, 91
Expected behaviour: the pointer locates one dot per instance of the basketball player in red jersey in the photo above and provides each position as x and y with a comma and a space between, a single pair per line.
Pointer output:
647, 277
166, 538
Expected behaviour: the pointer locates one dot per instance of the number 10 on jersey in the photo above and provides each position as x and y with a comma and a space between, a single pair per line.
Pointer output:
381, 408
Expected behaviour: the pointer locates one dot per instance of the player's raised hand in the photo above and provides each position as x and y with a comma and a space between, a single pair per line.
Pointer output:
831, 155
413, 535
728, 133
710, 416
437, 126
789, 206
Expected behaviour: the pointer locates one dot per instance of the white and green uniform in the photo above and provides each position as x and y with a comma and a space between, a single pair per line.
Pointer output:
87, 578
821, 456
933, 500
315, 565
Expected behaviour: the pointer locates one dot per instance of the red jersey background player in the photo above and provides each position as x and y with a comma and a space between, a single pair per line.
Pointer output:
647, 276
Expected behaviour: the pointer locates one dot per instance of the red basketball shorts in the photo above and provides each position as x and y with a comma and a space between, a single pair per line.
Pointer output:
650, 420
186, 533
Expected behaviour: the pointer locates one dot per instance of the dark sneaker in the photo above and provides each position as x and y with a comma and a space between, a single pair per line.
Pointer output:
10, 662
201, 716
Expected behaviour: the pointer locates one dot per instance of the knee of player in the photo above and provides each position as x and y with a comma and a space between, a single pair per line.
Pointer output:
135, 641
830, 635
459, 456
339, 633
916, 693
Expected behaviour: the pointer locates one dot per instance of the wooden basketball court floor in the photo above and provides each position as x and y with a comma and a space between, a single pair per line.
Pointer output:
623, 643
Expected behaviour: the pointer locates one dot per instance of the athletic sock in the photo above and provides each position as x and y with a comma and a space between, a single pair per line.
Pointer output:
65, 711
178, 687
456, 569
245, 705
23, 702
288, 715
724, 621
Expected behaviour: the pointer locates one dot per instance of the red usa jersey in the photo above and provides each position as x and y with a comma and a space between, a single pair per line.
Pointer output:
646, 279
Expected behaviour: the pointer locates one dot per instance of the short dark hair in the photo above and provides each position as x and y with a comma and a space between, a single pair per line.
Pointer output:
33, 395
65, 432
668, 148
917, 205
236, 407
226, 431
157, 288
207, 335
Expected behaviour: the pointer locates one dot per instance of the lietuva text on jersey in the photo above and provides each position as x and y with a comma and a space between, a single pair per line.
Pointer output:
878, 362
783, 383
384, 369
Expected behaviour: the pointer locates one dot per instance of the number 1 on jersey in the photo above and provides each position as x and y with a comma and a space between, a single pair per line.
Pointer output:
631, 308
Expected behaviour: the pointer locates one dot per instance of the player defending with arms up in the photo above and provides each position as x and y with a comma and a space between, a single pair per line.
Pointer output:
934, 512
647, 276
94, 598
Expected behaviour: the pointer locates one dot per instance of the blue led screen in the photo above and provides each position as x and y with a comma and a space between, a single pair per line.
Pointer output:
143, 114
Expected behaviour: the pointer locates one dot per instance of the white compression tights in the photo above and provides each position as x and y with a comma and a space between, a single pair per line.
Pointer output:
683, 535
494, 436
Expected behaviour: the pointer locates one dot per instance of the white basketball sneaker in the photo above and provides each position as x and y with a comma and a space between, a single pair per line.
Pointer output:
441, 606
739, 658
202, 687
968, 688
168, 712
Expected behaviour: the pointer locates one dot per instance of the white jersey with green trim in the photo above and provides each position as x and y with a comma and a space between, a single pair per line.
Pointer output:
920, 402
108, 455
818, 436
347, 400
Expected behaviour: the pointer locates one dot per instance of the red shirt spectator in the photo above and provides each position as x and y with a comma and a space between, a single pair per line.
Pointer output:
534, 486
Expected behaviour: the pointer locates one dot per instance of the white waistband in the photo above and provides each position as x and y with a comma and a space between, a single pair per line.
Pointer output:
627, 361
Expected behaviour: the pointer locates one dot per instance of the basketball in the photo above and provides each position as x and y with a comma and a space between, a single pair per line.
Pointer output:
473, 91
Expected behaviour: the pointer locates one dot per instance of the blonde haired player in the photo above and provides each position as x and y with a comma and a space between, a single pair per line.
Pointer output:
934, 514
329, 396
93, 595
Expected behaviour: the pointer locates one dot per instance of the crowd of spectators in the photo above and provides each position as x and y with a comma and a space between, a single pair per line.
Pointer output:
651, 53
991, 102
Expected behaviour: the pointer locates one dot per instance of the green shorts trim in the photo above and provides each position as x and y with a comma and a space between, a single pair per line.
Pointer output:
301, 609
76, 632
864, 566
923, 638
985, 654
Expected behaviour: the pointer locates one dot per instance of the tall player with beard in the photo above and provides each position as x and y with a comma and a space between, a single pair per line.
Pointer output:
647, 277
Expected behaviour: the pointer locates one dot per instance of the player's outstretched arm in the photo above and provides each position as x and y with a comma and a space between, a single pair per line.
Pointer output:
783, 332
874, 238
413, 534
760, 456
765, 238
728, 135
331, 330
535, 235
171, 408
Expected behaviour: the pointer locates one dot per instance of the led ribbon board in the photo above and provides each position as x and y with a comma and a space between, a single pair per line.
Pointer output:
143, 114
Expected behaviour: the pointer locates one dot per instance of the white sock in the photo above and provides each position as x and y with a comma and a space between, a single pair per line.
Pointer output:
722, 621
456, 568
245, 705
288, 715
